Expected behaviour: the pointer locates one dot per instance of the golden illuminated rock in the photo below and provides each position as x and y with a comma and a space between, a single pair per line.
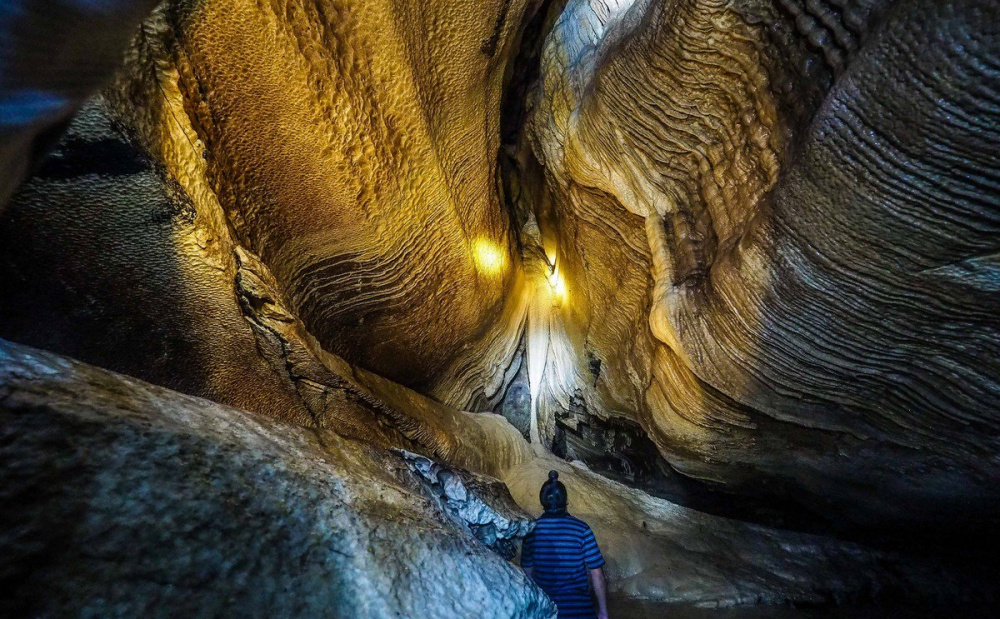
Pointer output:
781, 221
739, 254
352, 146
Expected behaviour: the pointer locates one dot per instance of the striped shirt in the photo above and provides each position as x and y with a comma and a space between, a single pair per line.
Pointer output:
560, 550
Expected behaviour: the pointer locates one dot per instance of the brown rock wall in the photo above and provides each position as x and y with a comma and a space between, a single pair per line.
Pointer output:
815, 183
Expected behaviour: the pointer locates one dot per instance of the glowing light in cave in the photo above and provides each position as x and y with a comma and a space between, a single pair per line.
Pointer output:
558, 284
550, 354
489, 257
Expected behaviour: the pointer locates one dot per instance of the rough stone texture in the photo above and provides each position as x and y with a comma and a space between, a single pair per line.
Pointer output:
106, 260
350, 146
483, 504
777, 223
125, 268
51, 59
353, 148
119, 498
764, 231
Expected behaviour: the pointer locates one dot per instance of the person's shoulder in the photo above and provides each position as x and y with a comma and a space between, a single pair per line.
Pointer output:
577, 523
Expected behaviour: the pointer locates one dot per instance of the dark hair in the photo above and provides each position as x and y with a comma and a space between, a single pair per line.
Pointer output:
553, 494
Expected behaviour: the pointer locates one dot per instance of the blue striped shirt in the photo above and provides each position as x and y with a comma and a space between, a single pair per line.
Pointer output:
560, 550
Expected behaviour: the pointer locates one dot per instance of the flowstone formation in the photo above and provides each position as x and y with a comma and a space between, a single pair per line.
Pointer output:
351, 146
734, 254
778, 223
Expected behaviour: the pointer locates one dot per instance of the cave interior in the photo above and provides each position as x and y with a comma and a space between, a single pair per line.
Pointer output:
301, 301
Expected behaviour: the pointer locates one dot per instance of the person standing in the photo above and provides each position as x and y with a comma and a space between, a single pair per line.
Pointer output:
561, 556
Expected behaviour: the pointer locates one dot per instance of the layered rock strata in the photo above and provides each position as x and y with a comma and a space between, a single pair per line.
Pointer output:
350, 146
777, 226
749, 241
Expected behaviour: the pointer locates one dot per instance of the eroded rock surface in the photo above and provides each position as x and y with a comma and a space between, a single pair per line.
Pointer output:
121, 495
777, 225
350, 146
752, 242
172, 298
121, 498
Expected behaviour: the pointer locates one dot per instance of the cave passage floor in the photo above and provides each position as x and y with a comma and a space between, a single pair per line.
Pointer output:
637, 609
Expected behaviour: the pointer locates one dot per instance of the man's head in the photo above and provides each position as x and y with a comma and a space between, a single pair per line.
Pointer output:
553, 495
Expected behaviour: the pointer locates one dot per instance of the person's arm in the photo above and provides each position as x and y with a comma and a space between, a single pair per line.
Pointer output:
594, 561
600, 591
528, 554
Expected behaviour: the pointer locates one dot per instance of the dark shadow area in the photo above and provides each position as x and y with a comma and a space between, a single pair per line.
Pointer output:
88, 257
619, 449
636, 609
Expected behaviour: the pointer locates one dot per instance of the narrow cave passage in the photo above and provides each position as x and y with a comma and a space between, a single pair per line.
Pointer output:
301, 302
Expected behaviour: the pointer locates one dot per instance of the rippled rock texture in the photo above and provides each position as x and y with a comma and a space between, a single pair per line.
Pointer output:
778, 227
751, 243
350, 146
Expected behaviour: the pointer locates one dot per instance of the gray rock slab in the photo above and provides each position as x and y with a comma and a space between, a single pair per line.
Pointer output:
118, 498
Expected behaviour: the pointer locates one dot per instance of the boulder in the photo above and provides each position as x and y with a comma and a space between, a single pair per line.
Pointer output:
119, 498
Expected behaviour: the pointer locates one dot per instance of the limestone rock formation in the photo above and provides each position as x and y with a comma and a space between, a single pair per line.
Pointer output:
173, 299
352, 147
119, 498
341, 150
778, 225
740, 254
122, 495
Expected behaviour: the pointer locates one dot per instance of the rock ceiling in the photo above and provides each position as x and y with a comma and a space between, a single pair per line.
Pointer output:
751, 243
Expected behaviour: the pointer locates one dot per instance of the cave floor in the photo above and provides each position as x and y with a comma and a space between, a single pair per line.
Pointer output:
633, 609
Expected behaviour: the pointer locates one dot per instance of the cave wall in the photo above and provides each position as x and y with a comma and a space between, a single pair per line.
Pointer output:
759, 233
126, 260
749, 242
121, 498
108, 259
787, 214
366, 181
352, 147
